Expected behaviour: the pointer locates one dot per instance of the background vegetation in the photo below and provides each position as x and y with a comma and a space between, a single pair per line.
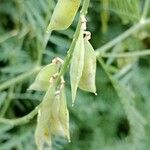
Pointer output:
118, 118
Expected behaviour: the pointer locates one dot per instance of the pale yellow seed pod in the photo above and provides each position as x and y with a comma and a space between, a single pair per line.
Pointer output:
64, 113
55, 124
87, 81
59, 119
53, 116
76, 66
43, 132
63, 14
41, 82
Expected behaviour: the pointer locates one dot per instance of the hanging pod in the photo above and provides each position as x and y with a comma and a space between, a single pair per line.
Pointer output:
63, 14
64, 113
43, 131
76, 65
55, 124
53, 116
59, 120
41, 82
87, 81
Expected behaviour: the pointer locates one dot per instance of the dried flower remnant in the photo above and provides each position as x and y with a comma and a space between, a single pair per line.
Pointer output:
63, 14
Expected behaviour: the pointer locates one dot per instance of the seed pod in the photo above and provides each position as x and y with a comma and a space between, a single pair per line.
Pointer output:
63, 113
59, 120
76, 66
43, 132
41, 82
87, 81
56, 126
63, 14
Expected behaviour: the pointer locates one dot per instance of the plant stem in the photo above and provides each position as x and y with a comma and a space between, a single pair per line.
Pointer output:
8, 35
21, 120
7, 102
127, 54
145, 10
123, 36
46, 37
42, 47
85, 7
19, 78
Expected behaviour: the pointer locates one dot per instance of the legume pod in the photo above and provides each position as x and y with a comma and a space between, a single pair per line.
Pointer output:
64, 114
76, 66
41, 82
63, 14
87, 81
43, 131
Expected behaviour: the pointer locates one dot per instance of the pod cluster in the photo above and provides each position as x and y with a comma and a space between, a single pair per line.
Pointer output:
83, 65
53, 115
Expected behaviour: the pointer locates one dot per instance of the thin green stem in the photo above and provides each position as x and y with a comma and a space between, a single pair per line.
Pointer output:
145, 9
85, 7
21, 120
7, 102
19, 78
46, 36
42, 47
123, 36
127, 54
8, 35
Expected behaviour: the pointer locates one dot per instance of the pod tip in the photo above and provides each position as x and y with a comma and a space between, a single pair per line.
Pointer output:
35, 87
31, 87
69, 141
95, 93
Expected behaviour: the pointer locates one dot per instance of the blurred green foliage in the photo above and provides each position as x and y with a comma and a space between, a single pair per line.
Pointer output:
118, 118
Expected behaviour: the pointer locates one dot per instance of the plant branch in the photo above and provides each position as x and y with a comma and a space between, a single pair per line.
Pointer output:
19, 78
8, 35
145, 10
46, 36
21, 120
7, 102
42, 47
127, 54
123, 36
